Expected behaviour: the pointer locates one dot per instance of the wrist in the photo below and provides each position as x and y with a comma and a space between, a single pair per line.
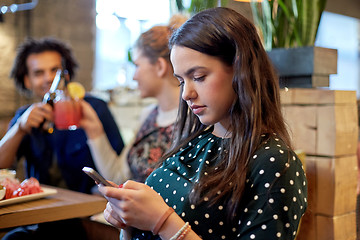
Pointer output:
160, 223
174, 226
171, 226
95, 132
181, 234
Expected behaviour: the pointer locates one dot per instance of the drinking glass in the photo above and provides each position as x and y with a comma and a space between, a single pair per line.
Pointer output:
67, 112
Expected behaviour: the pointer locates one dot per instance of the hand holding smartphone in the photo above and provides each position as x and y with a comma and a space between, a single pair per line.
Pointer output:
96, 176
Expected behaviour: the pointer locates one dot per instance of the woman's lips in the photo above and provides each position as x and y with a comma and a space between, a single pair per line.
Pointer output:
197, 109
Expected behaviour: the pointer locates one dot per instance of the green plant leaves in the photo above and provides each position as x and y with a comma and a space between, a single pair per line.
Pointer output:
198, 5
262, 17
288, 23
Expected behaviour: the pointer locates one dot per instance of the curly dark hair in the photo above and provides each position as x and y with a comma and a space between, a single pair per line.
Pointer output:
30, 46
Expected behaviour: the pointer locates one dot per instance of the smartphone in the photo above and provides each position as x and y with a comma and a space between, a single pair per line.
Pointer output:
96, 176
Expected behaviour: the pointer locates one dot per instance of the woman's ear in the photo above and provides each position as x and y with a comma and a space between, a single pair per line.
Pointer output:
161, 66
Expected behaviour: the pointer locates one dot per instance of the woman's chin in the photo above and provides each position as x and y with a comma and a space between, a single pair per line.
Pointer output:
205, 121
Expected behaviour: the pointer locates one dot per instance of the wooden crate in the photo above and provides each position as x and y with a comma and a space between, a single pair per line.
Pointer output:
332, 184
324, 125
302, 124
337, 130
307, 229
318, 227
341, 227
311, 96
322, 122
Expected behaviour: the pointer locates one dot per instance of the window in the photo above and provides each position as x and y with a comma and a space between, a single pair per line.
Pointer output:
118, 25
342, 33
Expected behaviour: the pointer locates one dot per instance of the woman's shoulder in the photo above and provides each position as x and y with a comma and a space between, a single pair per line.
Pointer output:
273, 146
274, 157
146, 111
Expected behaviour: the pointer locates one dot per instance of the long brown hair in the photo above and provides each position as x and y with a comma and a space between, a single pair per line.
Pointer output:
225, 34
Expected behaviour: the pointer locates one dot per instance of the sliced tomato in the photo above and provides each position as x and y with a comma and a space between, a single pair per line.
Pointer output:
16, 189
31, 185
10, 185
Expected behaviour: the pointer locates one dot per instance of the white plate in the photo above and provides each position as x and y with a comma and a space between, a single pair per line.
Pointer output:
46, 192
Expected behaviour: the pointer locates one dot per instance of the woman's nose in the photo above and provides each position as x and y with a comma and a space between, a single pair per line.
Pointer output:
188, 92
136, 76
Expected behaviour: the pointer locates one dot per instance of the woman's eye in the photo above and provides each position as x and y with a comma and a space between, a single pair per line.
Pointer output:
199, 78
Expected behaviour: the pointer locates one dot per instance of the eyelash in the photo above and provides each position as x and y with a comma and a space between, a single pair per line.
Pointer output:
195, 79
199, 78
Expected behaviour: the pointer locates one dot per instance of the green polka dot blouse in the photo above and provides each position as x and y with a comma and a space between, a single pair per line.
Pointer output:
271, 207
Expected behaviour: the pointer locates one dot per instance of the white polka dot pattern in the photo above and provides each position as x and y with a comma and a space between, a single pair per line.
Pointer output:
274, 200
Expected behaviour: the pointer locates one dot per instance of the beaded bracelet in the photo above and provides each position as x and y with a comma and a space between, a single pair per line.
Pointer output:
162, 220
182, 232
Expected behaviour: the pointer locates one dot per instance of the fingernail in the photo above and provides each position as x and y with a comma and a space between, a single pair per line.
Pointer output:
121, 185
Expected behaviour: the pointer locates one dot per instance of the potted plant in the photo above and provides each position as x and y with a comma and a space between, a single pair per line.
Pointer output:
288, 29
198, 5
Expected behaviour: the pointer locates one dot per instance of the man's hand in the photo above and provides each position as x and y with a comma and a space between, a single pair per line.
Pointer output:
34, 116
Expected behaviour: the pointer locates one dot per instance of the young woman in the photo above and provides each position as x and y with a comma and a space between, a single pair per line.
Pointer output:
231, 173
155, 77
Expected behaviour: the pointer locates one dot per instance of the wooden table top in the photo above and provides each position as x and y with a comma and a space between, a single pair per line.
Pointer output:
65, 204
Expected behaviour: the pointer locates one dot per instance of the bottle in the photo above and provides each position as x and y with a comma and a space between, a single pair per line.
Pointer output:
49, 98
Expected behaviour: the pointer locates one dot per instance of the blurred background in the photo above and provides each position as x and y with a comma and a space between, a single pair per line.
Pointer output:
101, 33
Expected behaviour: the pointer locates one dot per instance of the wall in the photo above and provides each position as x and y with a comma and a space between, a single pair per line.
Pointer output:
349, 8
333, 34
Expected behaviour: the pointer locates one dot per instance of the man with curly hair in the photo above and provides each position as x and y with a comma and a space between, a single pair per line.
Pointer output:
53, 158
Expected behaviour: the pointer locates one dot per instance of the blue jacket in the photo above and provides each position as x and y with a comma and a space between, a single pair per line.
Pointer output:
69, 148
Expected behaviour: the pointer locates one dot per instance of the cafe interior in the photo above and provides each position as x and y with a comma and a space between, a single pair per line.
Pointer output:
320, 106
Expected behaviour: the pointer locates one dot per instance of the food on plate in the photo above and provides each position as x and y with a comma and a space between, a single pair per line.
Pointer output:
2, 192
28, 186
13, 188
7, 173
10, 185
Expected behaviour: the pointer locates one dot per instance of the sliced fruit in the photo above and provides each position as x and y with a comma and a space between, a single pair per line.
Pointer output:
76, 90
2, 192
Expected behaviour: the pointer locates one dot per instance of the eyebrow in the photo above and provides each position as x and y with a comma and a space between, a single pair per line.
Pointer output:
38, 70
189, 71
54, 68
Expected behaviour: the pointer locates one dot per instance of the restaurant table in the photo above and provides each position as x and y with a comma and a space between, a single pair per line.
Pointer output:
64, 204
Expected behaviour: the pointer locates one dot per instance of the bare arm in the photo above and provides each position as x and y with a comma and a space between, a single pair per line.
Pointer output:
10, 143
112, 166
